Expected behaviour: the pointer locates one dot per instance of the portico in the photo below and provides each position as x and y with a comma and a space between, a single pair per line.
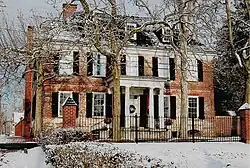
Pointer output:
147, 96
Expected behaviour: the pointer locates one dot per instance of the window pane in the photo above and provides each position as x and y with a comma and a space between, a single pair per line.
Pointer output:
98, 109
99, 64
66, 65
192, 107
192, 70
166, 107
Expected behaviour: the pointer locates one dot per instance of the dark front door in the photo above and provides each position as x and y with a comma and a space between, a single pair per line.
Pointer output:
122, 117
143, 111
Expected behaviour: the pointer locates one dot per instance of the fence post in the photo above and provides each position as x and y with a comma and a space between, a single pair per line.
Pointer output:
192, 128
136, 129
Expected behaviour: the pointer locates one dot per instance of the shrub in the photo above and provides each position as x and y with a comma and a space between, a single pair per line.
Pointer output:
96, 155
63, 136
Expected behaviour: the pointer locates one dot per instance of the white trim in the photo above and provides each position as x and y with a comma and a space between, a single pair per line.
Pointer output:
197, 98
104, 109
59, 98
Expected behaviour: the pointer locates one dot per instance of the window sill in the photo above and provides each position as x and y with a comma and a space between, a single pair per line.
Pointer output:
196, 119
97, 76
98, 117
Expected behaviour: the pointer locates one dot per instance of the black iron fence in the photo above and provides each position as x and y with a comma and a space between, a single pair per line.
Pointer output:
151, 129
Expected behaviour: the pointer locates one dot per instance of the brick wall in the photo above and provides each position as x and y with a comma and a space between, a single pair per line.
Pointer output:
19, 128
245, 126
69, 116
226, 126
68, 10
76, 83
204, 88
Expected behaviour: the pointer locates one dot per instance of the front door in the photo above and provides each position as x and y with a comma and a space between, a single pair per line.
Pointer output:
143, 111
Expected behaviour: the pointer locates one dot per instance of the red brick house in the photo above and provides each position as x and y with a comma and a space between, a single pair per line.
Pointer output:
149, 82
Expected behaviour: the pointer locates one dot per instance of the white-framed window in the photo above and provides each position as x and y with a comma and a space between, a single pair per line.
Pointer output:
166, 106
66, 64
129, 27
99, 64
192, 70
62, 97
163, 67
193, 106
98, 104
132, 65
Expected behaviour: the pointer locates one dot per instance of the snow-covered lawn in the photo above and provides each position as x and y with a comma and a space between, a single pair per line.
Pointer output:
173, 155
35, 158
197, 155
3, 138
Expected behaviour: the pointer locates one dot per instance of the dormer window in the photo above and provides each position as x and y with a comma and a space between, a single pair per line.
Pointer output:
166, 35
129, 27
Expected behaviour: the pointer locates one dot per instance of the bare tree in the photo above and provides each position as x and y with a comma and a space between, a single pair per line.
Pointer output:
102, 26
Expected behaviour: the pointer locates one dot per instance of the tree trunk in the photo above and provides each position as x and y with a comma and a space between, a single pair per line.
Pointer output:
183, 81
116, 74
116, 99
39, 95
229, 22
247, 62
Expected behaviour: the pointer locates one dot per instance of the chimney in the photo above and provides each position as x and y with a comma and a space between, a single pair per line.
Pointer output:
68, 10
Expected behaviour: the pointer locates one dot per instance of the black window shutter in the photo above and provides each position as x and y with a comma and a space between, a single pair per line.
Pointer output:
108, 67
172, 68
109, 103
123, 65
156, 106
90, 64
155, 66
172, 107
34, 107
201, 108
76, 63
141, 65
54, 104
76, 99
200, 70
56, 63
89, 105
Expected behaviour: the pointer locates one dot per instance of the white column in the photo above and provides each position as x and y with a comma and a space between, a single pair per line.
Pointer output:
151, 108
161, 108
127, 113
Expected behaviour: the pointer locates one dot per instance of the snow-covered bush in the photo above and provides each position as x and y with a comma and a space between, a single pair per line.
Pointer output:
96, 155
63, 136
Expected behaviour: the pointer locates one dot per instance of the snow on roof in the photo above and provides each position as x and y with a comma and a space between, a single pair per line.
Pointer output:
17, 116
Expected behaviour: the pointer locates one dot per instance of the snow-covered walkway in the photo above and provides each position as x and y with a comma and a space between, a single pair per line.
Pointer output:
197, 155
35, 158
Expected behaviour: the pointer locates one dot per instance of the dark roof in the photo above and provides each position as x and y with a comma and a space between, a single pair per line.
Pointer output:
70, 102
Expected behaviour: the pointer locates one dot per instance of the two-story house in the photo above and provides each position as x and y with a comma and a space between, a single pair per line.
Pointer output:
150, 83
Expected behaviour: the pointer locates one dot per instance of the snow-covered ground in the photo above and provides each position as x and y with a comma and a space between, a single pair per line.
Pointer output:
173, 155
35, 158
197, 155
3, 138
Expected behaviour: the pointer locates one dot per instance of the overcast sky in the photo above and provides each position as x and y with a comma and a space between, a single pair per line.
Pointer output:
13, 102
13, 7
